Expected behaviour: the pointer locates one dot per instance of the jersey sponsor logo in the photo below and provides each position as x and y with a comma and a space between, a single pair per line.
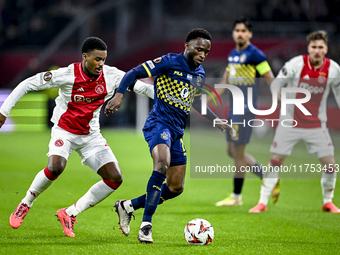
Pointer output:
59, 142
185, 92
312, 89
150, 64
157, 60
164, 136
177, 100
99, 89
81, 98
178, 73
47, 76
80, 89
306, 77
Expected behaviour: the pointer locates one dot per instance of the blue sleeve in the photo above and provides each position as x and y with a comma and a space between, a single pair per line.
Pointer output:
197, 105
258, 56
147, 69
130, 77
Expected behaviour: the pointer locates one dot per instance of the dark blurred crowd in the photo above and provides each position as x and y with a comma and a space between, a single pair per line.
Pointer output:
36, 22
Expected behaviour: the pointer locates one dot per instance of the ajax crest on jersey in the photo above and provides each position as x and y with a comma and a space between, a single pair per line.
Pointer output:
199, 232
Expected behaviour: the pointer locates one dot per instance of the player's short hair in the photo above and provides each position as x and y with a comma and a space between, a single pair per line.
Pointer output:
93, 43
243, 20
198, 32
317, 35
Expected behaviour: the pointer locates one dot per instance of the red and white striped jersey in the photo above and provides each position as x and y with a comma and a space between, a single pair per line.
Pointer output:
299, 73
80, 97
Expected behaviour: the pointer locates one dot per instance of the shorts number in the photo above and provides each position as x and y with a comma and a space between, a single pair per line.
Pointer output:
183, 147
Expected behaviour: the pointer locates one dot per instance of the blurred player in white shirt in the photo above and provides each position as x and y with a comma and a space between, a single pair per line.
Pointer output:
318, 74
83, 89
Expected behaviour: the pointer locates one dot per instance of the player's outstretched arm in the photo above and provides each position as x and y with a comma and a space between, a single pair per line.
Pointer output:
128, 79
220, 91
269, 77
212, 116
34, 83
2, 119
144, 88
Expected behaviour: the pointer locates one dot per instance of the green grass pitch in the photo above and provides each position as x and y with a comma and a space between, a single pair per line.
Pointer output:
295, 225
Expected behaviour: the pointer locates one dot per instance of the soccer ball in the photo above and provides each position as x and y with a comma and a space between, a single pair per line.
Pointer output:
199, 232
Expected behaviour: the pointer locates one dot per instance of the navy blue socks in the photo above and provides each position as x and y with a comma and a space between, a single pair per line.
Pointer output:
153, 194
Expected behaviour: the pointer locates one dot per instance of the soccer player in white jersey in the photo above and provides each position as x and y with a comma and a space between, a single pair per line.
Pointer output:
83, 89
318, 74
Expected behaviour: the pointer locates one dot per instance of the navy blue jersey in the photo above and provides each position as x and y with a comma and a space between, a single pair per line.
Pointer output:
243, 69
175, 88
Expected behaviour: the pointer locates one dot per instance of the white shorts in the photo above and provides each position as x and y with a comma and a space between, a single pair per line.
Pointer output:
92, 148
317, 140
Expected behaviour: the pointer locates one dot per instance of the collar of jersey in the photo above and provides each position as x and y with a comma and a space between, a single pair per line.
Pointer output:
85, 77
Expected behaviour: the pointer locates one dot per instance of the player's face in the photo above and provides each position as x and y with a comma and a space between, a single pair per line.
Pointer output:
317, 50
197, 50
241, 35
93, 62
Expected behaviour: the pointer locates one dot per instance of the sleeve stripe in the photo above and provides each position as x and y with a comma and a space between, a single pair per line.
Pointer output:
263, 67
147, 69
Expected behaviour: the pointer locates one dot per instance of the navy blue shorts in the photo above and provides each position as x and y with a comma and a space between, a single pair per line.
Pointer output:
156, 133
243, 130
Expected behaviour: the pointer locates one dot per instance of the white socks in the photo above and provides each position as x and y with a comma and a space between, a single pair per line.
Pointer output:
328, 181
268, 183
236, 196
93, 196
39, 185
128, 206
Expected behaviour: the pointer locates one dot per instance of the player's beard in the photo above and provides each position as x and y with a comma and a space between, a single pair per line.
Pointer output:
241, 44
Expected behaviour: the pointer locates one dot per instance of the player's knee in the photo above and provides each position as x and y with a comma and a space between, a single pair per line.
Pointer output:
56, 168
230, 153
277, 159
162, 167
114, 176
117, 178
177, 189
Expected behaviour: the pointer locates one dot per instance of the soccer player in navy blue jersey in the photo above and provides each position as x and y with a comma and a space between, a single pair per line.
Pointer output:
178, 78
246, 63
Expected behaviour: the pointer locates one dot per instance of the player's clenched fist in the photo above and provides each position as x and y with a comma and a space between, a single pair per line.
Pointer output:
114, 103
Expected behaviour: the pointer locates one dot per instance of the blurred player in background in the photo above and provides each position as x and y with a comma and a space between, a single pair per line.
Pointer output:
318, 74
83, 89
179, 78
246, 63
